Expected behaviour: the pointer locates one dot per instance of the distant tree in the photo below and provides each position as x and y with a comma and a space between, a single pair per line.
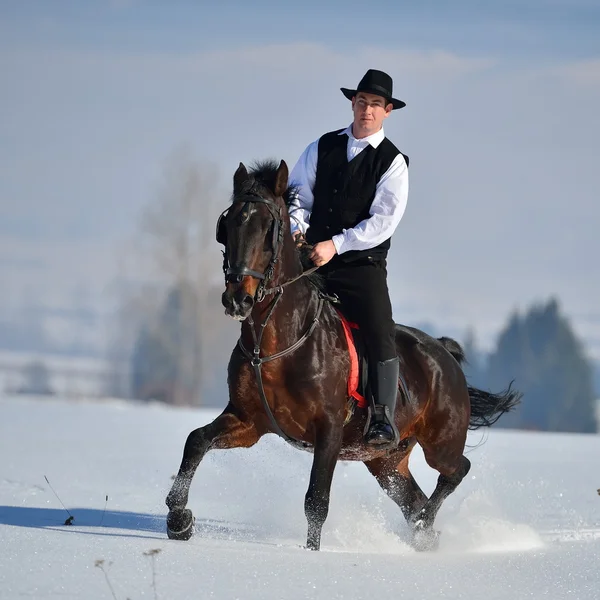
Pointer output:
179, 325
152, 368
596, 367
542, 354
36, 379
474, 366
166, 360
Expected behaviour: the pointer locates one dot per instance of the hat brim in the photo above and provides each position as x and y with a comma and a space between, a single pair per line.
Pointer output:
394, 102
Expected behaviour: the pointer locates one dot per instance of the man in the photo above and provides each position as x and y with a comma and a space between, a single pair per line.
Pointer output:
352, 192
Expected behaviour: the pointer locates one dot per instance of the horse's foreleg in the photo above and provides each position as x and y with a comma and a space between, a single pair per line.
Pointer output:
424, 536
226, 431
398, 483
316, 503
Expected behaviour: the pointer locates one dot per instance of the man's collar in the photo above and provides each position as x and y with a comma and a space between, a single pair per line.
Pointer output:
374, 139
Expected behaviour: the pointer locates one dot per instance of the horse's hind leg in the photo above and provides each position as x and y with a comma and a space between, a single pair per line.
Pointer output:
226, 431
425, 538
398, 483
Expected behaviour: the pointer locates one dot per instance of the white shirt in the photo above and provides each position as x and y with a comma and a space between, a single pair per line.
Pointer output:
387, 208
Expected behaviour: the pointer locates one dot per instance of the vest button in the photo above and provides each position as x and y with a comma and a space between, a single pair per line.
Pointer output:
330, 210
335, 190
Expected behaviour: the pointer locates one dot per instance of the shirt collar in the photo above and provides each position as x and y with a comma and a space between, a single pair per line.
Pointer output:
374, 139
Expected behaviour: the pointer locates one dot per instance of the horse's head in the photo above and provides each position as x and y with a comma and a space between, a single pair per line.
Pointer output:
251, 230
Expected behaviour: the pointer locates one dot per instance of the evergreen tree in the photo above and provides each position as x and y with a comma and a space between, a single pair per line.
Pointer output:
474, 367
596, 367
546, 360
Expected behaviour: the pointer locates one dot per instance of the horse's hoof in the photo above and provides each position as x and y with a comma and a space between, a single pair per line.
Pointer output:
313, 544
180, 524
425, 539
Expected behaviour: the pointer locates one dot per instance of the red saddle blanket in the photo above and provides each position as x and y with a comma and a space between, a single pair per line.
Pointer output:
353, 377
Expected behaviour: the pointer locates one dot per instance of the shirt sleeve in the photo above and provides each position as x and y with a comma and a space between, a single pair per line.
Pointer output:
303, 177
387, 209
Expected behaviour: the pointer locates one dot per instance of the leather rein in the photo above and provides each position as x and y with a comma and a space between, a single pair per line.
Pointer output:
256, 360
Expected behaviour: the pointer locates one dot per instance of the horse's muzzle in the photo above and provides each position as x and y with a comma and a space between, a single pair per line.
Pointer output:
238, 303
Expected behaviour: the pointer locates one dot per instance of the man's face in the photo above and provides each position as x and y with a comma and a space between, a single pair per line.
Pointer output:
369, 112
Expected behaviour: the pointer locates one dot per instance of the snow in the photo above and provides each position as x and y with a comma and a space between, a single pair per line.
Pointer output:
525, 523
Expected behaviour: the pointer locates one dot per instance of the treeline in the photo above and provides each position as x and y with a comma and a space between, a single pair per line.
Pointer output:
539, 352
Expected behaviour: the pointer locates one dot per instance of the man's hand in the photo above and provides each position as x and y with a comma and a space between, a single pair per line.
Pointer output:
323, 252
299, 238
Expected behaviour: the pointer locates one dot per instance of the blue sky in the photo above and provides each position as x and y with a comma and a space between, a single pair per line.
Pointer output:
501, 125
522, 29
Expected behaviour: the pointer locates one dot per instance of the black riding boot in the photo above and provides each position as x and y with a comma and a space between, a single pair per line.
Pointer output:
382, 428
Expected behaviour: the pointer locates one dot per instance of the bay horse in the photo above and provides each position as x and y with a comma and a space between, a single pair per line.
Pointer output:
288, 374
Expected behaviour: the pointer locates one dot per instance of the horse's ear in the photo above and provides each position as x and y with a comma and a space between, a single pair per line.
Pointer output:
240, 177
281, 179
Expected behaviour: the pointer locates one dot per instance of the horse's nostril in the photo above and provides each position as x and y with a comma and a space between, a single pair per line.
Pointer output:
248, 300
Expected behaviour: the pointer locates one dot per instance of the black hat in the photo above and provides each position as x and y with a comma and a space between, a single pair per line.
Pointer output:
375, 82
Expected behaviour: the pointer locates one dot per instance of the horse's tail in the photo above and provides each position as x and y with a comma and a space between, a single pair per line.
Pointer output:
486, 408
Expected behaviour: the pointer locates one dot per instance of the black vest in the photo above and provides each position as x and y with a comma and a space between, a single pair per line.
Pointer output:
344, 191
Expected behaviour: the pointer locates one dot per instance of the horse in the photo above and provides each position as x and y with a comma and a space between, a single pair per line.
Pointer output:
288, 374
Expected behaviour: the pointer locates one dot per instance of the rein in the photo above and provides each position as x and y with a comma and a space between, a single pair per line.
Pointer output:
279, 288
261, 293
257, 361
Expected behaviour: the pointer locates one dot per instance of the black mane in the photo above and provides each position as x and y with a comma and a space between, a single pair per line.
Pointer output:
262, 173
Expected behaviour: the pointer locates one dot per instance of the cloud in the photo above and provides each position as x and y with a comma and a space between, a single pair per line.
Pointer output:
306, 57
584, 73
503, 202
95, 125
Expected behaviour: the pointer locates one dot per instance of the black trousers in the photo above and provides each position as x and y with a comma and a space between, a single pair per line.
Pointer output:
362, 288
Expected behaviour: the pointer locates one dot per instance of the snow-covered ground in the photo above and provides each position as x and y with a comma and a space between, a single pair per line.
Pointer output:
524, 524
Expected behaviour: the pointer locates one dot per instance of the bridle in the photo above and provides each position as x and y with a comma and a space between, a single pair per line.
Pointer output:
235, 274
